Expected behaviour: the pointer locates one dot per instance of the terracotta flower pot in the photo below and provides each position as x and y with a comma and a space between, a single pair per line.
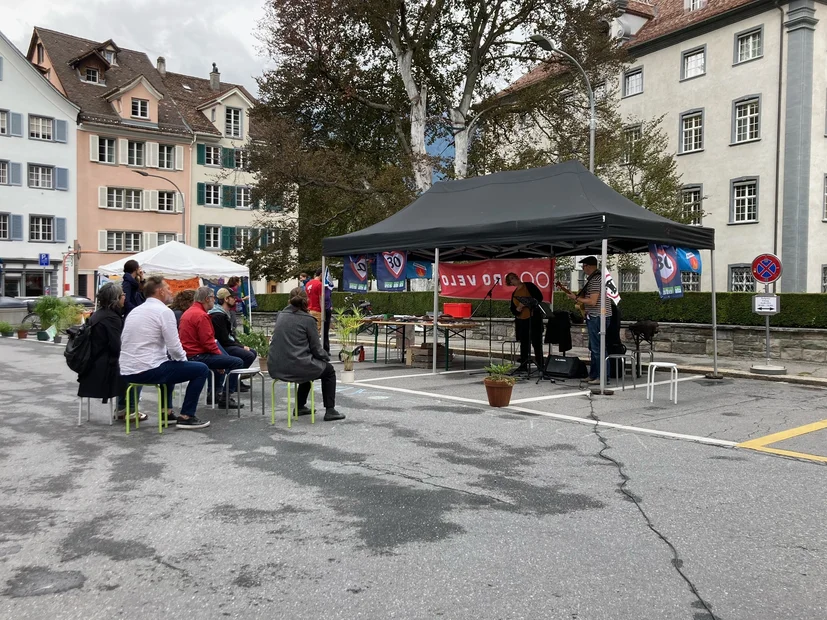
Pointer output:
22, 334
499, 392
262, 363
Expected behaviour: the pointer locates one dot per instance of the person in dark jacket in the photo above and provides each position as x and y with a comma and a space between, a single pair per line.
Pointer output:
102, 378
132, 286
225, 331
528, 320
296, 355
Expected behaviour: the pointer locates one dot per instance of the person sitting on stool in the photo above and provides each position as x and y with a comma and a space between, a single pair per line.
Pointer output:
528, 320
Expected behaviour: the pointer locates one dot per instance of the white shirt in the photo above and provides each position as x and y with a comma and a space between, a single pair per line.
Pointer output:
150, 331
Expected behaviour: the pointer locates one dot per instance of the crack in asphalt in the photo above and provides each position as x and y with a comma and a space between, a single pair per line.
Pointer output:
677, 562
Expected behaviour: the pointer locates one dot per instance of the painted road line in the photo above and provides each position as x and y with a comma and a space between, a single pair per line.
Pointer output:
795, 455
534, 399
766, 440
419, 374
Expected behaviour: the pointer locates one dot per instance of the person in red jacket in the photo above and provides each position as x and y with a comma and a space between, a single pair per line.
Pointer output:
198, 339
314, 298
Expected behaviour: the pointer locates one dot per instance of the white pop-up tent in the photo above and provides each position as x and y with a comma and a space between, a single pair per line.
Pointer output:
178, 261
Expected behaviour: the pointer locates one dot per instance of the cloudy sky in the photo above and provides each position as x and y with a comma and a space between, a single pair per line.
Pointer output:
190, 34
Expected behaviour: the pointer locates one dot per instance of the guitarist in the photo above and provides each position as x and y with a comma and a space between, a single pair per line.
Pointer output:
528, 320
589, 296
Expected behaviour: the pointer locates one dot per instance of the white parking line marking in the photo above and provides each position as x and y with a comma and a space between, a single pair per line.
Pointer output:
419, 374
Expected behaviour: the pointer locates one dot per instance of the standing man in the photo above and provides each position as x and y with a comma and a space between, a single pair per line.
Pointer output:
528, 320
198, 340
225, 332
151, 352
133, 283
589, 296
314, 298
303, 279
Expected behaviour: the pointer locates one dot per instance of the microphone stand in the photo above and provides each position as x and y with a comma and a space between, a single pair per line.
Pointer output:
490, 297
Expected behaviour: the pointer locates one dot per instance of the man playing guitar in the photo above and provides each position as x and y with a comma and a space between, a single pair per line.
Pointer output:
528, 320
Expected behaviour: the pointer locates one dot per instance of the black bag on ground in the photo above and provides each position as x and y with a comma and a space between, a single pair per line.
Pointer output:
566, 367
78, 351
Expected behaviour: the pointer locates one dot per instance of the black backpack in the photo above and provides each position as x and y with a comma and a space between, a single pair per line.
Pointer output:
78, 351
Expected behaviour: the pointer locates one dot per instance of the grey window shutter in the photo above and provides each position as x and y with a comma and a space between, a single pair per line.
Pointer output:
15, 174
16, 125
17, 228
62, 178
61, 131
60, 229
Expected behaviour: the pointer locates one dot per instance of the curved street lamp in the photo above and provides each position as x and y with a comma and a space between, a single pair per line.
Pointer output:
180, 193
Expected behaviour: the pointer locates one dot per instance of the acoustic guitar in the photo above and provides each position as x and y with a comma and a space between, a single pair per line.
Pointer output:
581, 307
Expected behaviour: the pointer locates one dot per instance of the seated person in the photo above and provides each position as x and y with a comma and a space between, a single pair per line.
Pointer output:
296, 355
101, 379
181, 304
225, 331
151, 352
198, 339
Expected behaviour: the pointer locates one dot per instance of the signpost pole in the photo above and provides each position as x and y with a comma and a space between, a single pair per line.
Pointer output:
766, 269
767, 318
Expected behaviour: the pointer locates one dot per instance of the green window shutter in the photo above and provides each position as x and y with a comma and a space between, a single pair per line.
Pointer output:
228, 158
228, 196
202, 235
201, 154
202, 194
228, 238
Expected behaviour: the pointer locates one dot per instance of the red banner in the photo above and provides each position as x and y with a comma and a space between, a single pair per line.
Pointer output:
474, 280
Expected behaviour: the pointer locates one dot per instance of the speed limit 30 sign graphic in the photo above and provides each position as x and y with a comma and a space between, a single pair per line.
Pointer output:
766, 268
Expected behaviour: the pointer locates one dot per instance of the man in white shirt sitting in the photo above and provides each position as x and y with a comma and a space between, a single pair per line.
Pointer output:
151, 352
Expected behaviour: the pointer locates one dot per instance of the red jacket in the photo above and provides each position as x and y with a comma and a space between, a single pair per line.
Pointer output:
196, 332
314, 295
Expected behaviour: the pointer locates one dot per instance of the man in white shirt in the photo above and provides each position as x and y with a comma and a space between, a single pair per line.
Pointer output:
151, 352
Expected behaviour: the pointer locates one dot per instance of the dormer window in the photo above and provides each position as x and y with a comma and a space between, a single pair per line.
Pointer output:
140, 108
40, 53
694, 5
92, 75
110, 57
232, 123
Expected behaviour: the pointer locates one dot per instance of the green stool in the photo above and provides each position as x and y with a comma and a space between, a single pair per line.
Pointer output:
291, 411
163, 410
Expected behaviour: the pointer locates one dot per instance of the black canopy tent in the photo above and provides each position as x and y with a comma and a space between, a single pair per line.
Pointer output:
551, 211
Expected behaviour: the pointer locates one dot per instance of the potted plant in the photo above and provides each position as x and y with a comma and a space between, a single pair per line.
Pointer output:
6, 329
257, 341
498, 384
22, 331
48, 309
69, 314
347, 323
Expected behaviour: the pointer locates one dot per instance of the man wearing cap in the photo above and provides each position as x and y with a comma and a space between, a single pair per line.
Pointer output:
589, 296
225, 333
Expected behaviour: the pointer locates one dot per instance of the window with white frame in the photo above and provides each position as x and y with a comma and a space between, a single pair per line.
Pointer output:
166, 238
4, 173
629, 280
132, 199
132, 242
41, 176
243, 236
115, 197
243, 197
241, 159
692, 205
166, 156
691, 282
232, 122
581, 280
741, 279
140, 108
692, 132
4, 122
92, 75
631, 136
212, 155
114, 241
121, 241
212, 237
4, 226
40, 128
106, 150
749, 45
633, 82
135, 153
694, 63
212, 195
747, 120
824, 279
745, 201
694, 5
110, 57
41, 228
166, 202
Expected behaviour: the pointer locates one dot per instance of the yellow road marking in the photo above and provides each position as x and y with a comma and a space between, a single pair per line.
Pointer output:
788, 434
796, 455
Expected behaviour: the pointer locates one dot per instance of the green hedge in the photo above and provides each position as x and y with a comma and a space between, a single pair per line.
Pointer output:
797, 309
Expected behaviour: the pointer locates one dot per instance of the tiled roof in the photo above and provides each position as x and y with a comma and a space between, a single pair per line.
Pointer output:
63, 48
670, 16
644, 9
198, 94
548, 69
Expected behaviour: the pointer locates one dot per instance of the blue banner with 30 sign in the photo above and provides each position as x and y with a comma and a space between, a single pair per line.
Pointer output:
666, 270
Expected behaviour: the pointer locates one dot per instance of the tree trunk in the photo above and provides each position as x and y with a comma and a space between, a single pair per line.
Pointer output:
460, 131
418, 96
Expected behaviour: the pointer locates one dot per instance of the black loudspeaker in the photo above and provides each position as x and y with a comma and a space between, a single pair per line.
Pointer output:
566, 367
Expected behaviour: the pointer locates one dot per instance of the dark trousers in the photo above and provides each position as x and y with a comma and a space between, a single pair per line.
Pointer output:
328, 388
326, 330
220, 362
247, 357
170, 373
529, 333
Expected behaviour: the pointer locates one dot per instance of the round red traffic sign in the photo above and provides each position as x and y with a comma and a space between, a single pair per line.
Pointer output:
766, 268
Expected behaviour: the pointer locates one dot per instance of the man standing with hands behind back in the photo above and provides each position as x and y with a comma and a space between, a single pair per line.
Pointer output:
589, 296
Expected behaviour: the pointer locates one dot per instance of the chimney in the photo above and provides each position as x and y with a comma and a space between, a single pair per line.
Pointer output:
162, 65
215, 78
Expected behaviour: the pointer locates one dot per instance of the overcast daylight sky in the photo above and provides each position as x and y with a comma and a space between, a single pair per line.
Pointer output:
190, 34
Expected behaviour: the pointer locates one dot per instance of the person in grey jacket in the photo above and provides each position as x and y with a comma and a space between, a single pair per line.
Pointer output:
296, 355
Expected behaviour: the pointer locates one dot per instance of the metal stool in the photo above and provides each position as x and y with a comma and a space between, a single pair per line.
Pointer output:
163, 410
620, 367
252, 372
112, 404
512, 345
673, 380
291, 411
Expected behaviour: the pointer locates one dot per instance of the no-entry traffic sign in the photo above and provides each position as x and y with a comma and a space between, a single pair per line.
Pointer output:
766, 268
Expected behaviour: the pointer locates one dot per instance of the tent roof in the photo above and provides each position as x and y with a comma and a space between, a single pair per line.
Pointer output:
555, 210
178, 261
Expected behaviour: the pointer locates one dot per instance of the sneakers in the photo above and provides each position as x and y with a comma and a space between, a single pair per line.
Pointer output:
594, 381
172, 418
191, 423
304, 411
222, 403
331, 415
122, 416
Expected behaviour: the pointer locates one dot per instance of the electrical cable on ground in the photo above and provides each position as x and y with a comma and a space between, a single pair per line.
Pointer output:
676, 560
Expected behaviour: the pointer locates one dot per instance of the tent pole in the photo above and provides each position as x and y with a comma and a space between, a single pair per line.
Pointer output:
249, 305
436, 306
605, 248
714, 317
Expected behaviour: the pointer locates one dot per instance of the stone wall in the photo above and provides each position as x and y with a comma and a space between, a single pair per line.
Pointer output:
797, 344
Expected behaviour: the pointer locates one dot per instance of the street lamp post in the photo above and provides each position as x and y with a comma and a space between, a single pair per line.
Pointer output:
180, 193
